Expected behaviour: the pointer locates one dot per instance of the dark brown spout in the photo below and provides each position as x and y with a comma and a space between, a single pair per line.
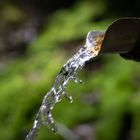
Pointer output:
123, 37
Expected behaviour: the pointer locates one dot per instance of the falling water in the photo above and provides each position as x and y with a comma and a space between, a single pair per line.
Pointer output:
68, 73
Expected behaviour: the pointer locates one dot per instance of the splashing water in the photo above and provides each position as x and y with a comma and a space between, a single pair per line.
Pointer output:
68, 73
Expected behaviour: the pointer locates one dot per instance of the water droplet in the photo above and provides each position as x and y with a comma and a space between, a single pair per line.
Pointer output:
70, 99
43, 107
49, 115
51, 107
53, 130
35, 123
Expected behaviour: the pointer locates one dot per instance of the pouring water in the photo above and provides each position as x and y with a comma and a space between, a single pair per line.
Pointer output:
67, 73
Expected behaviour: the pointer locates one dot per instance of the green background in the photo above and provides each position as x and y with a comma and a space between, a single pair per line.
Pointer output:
37, 38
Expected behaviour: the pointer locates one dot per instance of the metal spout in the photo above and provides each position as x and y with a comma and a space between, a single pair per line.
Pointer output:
122, 36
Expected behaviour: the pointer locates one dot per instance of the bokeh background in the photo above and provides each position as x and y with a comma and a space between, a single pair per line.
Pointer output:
36, 38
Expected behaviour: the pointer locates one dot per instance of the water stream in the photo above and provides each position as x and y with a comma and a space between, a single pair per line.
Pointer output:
67, 73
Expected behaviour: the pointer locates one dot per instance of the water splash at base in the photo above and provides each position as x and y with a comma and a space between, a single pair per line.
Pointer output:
68, 73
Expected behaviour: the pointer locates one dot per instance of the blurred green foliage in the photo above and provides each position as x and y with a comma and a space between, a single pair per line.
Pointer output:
24, 81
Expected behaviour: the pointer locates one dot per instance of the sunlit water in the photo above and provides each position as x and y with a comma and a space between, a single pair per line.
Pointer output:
68, 73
